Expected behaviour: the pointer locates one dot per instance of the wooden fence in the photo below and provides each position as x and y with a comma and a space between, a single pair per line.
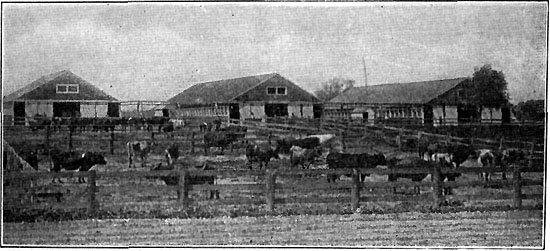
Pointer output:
358, 191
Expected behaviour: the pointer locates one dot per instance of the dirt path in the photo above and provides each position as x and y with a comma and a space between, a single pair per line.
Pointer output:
501, 229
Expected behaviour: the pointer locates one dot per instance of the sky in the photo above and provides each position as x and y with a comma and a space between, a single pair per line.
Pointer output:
153, 51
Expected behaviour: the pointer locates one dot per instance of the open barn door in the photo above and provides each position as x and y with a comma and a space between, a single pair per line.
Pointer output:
234, 112
66, 109
276, 110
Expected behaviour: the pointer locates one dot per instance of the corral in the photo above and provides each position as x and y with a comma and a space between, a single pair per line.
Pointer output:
116, 191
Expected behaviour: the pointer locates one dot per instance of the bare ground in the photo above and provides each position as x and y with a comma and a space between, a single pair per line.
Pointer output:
463, 229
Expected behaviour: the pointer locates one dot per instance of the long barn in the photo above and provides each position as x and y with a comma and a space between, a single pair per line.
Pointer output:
438, 102
61, 94
251, 97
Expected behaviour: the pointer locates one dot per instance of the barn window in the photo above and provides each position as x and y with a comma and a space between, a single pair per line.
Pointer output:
271, 90
66, 88
276, 90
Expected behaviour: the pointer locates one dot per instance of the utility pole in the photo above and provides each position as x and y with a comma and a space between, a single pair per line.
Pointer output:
365, 70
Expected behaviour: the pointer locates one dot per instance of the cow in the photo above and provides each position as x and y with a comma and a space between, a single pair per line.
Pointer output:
190, 179
448, 160
407, 163
39, 122
486, 158
346, 160
178, 123
284, 144
72, 161
219, 139
140, 148
460, 153
172, 154
262, 155
303, 156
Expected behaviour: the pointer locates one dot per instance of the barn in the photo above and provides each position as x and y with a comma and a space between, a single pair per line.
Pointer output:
61, 94
438, 102
252, 97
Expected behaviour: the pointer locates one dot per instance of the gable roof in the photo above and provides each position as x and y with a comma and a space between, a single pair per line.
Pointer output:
399, 93
220, 91
65, 76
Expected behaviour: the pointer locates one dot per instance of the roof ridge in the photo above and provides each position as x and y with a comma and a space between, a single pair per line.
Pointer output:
38, 83
256, 85
401, 83
227, 79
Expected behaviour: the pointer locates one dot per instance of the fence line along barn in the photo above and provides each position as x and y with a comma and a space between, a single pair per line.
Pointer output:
61, 94
251, 97
438, 102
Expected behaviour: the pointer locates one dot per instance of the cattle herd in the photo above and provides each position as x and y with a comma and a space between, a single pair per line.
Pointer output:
304, 152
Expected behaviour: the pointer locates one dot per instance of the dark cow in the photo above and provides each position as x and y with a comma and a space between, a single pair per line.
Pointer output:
348, 160
171, 154
302, 156
408, 163
284, 145
73, 161
219, 139
190, 179
39, 122
260, 154
460, 153
140, 148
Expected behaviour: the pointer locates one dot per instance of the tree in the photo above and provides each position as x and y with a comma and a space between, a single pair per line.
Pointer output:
489, 87
333, 87
530, 110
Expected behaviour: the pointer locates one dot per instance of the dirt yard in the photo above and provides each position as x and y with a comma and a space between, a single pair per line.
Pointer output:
464, 229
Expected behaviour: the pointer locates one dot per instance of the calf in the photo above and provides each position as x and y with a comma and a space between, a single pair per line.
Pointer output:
346, 160
302, 156
73, 161
140, 148
256, 153
190, 179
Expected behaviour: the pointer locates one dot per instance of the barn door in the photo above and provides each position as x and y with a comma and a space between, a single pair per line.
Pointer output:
18, 113
317, 111
113, 110
66, 109
234, 111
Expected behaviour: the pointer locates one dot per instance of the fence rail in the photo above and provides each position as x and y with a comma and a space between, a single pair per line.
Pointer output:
275, 193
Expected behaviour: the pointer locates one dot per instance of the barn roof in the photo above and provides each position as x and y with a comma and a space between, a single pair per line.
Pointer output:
399, 93
220, 91
88, 91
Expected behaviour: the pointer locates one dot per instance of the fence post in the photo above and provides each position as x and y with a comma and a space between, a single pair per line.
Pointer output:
112, 142
355, 189
438, 185
192, 142
517, 187
344, 140
182, 186
269, 138
153, 135
47, 144
399, 139
70, 139
92, 206
270, 189
531, 155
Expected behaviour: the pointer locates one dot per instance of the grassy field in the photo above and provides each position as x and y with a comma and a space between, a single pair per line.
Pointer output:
464, 229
